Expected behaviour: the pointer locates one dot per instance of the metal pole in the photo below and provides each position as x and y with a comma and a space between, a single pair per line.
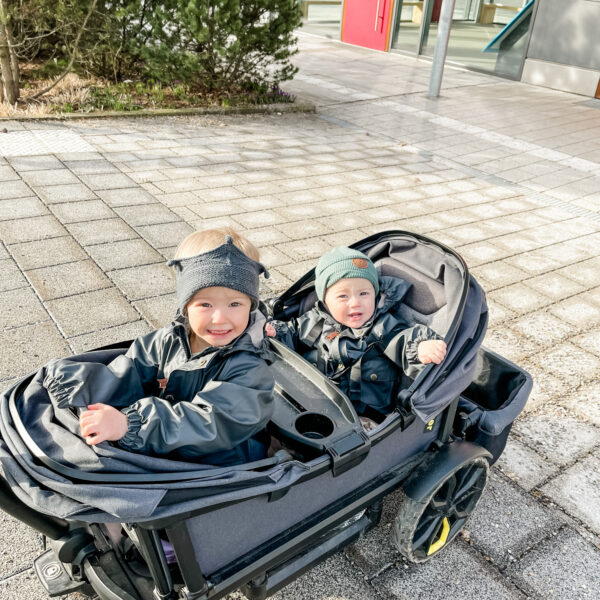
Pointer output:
441, 48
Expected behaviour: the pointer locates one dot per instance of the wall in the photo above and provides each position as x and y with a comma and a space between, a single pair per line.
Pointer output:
567, 32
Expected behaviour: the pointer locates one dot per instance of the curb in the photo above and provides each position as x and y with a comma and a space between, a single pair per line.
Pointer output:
288, 107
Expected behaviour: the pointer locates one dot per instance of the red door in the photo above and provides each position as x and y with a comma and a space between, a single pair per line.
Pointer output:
367, 23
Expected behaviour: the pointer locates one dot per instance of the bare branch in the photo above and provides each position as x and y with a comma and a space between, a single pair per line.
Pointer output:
73, 55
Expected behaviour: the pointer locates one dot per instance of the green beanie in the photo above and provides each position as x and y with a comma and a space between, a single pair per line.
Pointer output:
343, 263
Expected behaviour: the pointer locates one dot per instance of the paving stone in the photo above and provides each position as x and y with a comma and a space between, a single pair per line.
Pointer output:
74, 212
524, 466
266, 237
49, 177
35, 163
457, 572
334, 574
20, 307
20, 208
509, 344
519, 298
112, 335
31, 228
584, 402
12, 278
564, 566
542, 328
16, 534
278, 282
577, 490
7, 173
548, 390
23, 349
108, 181
159, 310
43, 253
14, 189
92, 166
555, 286
586, 272
577, 311
127, 253
303, 250
507, 523
147, 214
57, 194
167, 234
589, 341
303, 229
144, 282
572, 364
26, 585
497, 313
561, 440
259, 218
91, 311
126, 196
273, 257
67, 279
101, 232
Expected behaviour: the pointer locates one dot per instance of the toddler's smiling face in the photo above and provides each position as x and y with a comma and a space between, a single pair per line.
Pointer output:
351, 302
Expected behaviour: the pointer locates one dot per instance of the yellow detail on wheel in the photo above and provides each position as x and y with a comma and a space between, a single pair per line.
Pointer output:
442, 539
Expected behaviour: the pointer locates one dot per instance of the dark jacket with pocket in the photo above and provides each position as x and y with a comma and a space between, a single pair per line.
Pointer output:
370, 364
204, 407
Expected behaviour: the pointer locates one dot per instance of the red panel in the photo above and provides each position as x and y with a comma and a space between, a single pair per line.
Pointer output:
366, 23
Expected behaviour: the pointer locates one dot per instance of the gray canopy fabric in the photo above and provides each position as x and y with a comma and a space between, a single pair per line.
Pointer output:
442, 289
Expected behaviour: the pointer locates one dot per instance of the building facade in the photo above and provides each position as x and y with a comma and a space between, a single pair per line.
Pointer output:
551, 43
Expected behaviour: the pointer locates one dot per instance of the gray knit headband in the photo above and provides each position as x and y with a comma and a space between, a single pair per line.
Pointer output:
223, 266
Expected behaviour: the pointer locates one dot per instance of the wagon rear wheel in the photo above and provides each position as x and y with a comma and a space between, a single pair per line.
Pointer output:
424, 526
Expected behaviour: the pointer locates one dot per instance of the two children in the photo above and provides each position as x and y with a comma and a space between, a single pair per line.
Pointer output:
201, 389
198, 389
356, 335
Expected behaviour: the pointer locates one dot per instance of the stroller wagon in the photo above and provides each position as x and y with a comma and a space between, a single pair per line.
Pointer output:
126, 526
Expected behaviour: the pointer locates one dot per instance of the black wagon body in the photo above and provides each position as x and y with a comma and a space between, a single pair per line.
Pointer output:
111, 518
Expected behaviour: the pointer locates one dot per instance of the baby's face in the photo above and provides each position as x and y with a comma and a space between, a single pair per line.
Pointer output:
217, 316
351, 302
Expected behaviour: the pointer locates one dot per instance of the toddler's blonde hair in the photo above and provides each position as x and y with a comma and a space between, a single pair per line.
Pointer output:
203, 241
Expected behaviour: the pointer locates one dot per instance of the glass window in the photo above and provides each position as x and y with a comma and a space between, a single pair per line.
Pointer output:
487, 35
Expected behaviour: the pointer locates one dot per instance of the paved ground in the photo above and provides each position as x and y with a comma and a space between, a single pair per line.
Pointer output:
506, 173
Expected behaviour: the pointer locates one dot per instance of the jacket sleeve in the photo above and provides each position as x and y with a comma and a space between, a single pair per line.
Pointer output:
403, 348
286, 332
222, 415
119, 383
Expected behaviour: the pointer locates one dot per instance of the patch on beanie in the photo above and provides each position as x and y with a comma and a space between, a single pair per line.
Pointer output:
361, 263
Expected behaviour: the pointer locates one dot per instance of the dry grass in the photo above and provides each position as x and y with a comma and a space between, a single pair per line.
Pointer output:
71, 90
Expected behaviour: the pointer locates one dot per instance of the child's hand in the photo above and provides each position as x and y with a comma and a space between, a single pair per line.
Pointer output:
270, 330
431, 351
102, 423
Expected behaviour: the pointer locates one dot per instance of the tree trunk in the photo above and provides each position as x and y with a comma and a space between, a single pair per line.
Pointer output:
10, 84
14, 61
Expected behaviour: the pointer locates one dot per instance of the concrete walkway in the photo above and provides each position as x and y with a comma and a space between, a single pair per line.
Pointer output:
507, 174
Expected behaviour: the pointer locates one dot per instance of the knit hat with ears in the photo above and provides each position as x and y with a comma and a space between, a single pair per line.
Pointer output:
223, 266
343, 263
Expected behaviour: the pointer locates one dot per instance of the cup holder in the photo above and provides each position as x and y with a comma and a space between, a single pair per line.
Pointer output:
314, 425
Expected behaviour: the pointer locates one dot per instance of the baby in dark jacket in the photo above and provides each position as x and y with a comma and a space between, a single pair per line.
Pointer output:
356, 335
197, 389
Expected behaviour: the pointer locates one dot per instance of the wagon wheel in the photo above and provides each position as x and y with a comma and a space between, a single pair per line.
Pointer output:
424, 526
